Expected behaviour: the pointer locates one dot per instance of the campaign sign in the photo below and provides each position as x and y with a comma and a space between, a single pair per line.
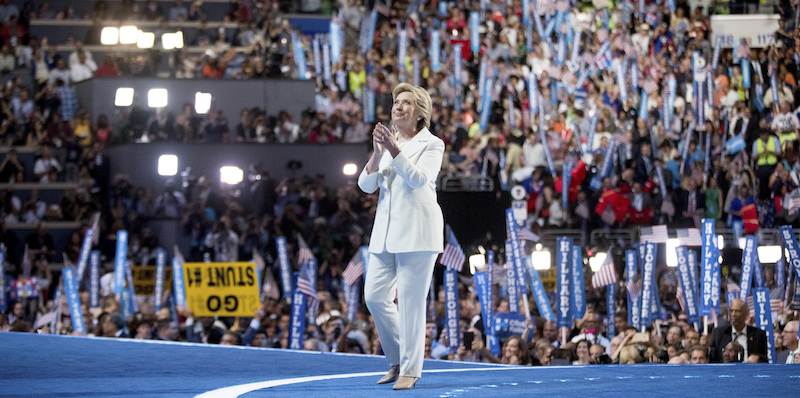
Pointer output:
94, 279
144, 279
119, 261
298, 327
763, 315
564, 268
451, 308
508, 324
221, 289
286, 268
511, 280
71, 288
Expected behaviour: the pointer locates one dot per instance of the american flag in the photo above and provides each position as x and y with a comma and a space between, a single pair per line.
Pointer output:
305, 284
304, 254
606, 275
742, 50
649, 86
622, 139
681, 298
269, 288
526, 234
453, 257
668, 208
656, 233
689, 237
354, 270
582, 210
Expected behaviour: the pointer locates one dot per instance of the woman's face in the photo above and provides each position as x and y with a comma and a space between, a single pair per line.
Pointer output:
511, 349
583, 349
404, 110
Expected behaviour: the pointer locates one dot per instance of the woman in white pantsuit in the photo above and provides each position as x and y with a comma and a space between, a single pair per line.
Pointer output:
407, 234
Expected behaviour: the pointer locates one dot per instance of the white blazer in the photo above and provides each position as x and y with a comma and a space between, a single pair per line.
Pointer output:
408, 217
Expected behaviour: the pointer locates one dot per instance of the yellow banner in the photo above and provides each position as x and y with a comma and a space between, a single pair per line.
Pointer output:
144, 279
222, 289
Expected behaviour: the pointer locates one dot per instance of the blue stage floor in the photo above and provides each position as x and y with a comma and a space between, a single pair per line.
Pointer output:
57, 366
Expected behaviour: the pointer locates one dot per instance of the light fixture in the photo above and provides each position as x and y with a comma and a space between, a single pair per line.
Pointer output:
109, 36
538, 246
231, 175
157, 98
124, 96
167, 165
596, 261
171, 41
742, 241
769, 254
145, 39
720, 242
128, 34
202, 102
540, 260
476, 261
672, 257
350, 169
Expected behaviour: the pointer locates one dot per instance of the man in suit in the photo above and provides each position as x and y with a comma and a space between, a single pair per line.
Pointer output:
790, 341
690, 202
752, 339
746, 125
643, 164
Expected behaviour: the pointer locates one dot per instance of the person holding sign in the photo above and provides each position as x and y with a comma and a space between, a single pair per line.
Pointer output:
407, 234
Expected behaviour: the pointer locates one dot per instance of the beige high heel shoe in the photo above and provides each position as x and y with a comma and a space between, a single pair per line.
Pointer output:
390, 376
405, 383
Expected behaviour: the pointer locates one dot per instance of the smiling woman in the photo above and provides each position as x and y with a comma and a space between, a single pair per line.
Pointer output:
407, 234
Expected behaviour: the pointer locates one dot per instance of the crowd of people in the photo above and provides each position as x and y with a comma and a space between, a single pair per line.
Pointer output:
662, 168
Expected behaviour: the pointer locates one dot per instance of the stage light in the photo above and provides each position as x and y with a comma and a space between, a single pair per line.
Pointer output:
124, 96
202, 102
538, 246
167, 165
540, 260
476, 261
481, 249
128, 34
672, 257
720, 242
109, 36
350, 169
742, 241
157, 98
167, 41
171, 41
769, 254
145, 39
231, 175
596, 261
178, 39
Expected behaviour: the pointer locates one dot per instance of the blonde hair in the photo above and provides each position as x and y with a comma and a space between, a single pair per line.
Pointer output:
422, 101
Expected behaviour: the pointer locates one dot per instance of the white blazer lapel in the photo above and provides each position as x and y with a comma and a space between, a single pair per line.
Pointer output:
417, 143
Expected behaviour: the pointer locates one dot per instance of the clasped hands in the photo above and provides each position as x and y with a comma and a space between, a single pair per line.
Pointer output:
384, 138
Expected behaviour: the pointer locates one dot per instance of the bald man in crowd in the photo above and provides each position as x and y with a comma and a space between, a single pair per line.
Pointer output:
752, 339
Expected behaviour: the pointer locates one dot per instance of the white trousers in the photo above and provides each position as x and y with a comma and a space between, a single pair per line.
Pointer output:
402, 332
